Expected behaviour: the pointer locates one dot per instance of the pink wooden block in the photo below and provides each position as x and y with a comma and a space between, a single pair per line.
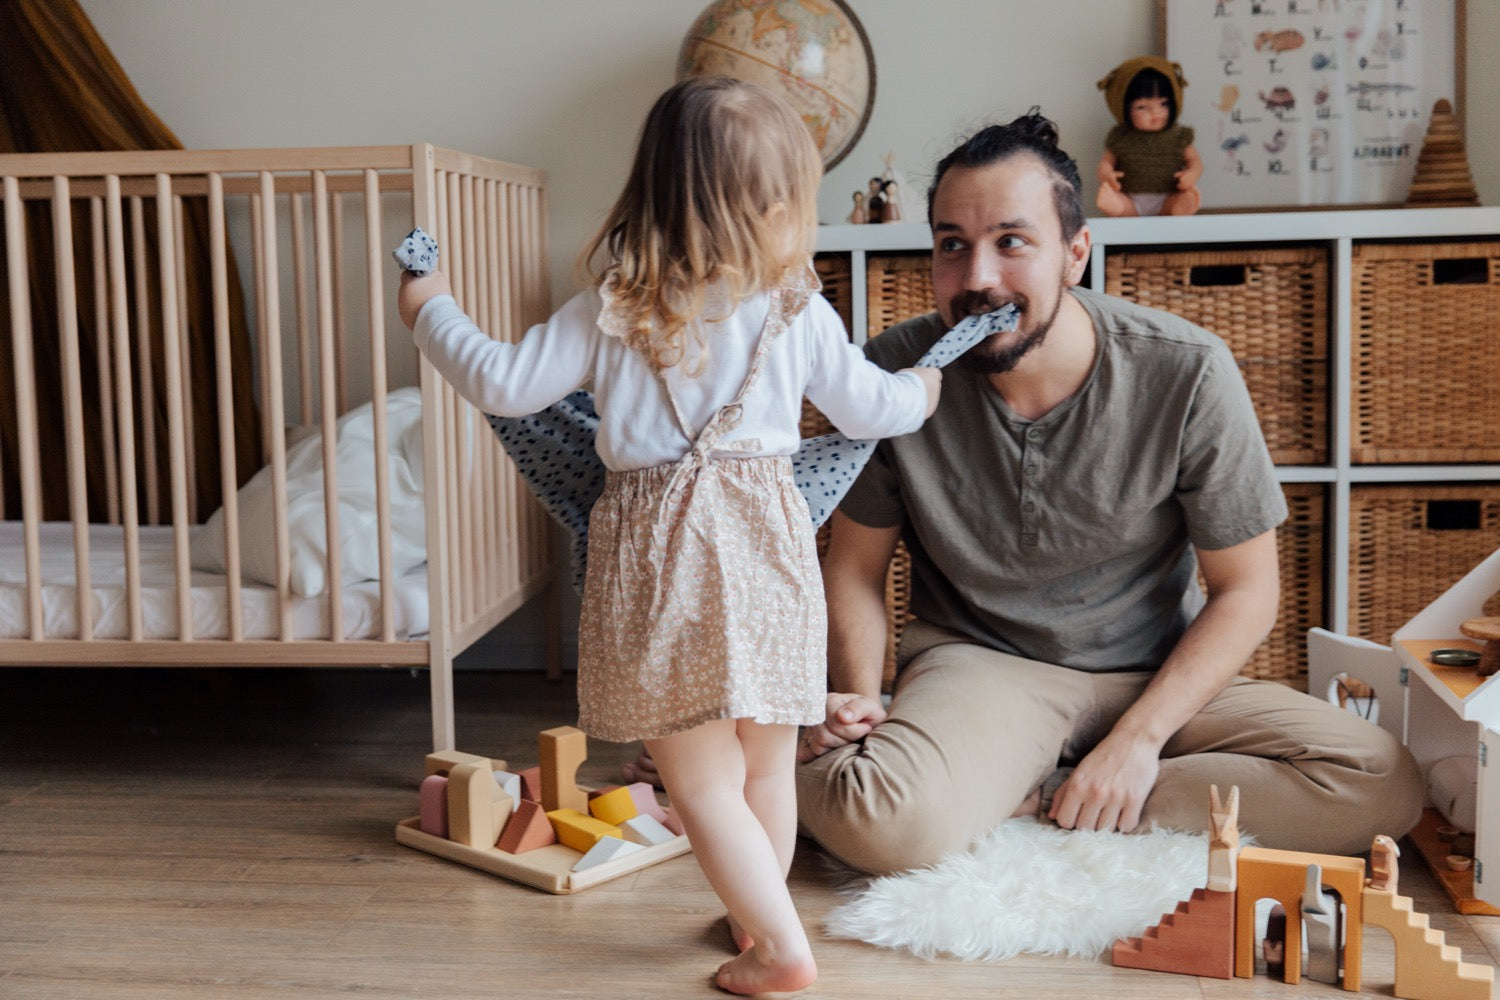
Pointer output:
531, 783
671, 821
645, 801
433, 799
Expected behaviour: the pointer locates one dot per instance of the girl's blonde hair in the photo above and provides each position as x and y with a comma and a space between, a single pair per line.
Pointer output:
723, 191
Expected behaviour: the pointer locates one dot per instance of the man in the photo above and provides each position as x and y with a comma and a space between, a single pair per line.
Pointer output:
1077, 474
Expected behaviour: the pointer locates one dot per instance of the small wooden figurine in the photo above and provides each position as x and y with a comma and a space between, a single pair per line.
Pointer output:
1224, 839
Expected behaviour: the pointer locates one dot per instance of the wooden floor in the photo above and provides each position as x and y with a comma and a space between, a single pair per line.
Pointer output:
170, 834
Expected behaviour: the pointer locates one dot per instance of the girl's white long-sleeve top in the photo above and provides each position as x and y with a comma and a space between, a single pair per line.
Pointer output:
637, 429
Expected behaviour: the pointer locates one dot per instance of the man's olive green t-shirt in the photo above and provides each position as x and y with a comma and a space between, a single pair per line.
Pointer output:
1069, 539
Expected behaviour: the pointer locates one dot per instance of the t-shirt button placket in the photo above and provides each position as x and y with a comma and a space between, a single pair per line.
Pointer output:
1029, 526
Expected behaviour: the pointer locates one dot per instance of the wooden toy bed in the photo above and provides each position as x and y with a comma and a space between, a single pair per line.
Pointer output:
141, 390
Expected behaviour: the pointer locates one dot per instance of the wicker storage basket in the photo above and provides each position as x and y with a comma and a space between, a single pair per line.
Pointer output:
898, 287
1271, 306
1409, 544
1426, 352
838, 287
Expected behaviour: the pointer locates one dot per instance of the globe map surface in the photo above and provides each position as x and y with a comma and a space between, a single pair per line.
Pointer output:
812, 53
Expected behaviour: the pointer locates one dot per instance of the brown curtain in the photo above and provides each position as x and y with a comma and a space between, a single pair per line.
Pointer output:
61, 90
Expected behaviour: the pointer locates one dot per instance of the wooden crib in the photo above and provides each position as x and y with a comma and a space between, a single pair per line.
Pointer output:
140, 389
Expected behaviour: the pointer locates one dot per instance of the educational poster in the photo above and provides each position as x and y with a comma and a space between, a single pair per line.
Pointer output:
1311, 102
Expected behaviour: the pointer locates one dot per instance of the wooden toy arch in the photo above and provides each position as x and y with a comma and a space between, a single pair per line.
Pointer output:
1281, 875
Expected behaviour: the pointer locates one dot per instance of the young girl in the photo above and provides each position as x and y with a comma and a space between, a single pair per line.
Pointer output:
703, 627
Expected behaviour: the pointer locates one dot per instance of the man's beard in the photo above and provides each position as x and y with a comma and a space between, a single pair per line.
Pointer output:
985, 360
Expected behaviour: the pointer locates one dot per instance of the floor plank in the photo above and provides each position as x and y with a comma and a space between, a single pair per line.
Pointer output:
180, 833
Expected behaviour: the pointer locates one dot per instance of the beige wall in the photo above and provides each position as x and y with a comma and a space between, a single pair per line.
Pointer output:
564, 84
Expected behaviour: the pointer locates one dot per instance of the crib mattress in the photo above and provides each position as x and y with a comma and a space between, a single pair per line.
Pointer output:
360, 601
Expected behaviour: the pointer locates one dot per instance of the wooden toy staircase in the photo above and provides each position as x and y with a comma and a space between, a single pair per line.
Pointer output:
1196, 939
1427, 967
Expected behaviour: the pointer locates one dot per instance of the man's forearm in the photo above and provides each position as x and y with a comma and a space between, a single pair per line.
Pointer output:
856, 639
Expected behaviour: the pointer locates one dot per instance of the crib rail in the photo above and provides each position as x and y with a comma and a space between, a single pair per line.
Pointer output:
137, 258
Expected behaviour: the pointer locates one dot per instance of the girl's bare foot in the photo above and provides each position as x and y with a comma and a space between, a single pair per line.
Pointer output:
742, 939
752, 973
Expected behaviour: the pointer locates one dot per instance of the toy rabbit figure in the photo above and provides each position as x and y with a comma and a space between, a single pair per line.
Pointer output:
1224, 840
1384, 870
1149, 165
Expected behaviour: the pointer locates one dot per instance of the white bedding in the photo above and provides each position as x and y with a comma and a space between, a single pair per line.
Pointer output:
361, 601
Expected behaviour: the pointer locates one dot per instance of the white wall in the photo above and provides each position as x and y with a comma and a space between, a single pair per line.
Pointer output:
563, 85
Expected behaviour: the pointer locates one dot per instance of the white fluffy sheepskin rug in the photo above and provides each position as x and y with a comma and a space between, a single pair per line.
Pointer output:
1028, 887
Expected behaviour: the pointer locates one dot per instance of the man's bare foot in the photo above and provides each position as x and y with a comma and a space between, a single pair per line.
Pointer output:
742, 940
1030, 805
643, 768
750, 974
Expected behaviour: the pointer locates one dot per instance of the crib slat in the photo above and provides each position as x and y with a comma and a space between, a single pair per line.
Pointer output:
468, 591
104, 354
304, 322
340, 312
184, 341
447, 196
166, 249
72, 379
124, 404
426, 192
329, 399
16, 257
374, 269
275, 414
485, 474
513, 523
146, 365
224, 394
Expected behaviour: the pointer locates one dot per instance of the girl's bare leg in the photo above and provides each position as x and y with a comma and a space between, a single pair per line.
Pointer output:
721, 778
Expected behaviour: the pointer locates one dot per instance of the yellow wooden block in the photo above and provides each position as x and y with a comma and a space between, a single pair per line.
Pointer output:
614, 807
562, 749
579, 831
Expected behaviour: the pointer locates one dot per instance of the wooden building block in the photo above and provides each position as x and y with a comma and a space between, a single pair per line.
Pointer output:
672, 821
646, 831
613, 807
442, 761
1197, 939
561, 750
605, 849
433, 805
477, 808
1427, 967
578, 830
531, 783
645, 801
510, 784
1281, 875
527, 830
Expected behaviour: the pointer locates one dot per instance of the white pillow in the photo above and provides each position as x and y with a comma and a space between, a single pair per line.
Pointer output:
359, 553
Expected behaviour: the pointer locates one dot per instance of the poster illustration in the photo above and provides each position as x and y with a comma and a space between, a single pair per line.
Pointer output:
1311, 102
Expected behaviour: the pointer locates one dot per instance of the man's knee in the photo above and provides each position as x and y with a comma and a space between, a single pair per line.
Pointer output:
860, 816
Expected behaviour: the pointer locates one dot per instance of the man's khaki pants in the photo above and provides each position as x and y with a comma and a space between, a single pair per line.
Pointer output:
972, 732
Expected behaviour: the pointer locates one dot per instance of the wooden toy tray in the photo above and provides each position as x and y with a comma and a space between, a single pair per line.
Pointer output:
548, 868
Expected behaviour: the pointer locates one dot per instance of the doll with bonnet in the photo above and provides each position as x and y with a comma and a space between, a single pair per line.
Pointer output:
1149, 165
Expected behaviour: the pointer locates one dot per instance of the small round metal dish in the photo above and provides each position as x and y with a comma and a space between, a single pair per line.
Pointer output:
1455, 657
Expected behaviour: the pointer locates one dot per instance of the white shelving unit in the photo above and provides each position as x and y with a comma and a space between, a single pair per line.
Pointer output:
1338, 231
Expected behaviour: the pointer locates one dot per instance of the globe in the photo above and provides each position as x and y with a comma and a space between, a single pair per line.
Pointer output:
812, 53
